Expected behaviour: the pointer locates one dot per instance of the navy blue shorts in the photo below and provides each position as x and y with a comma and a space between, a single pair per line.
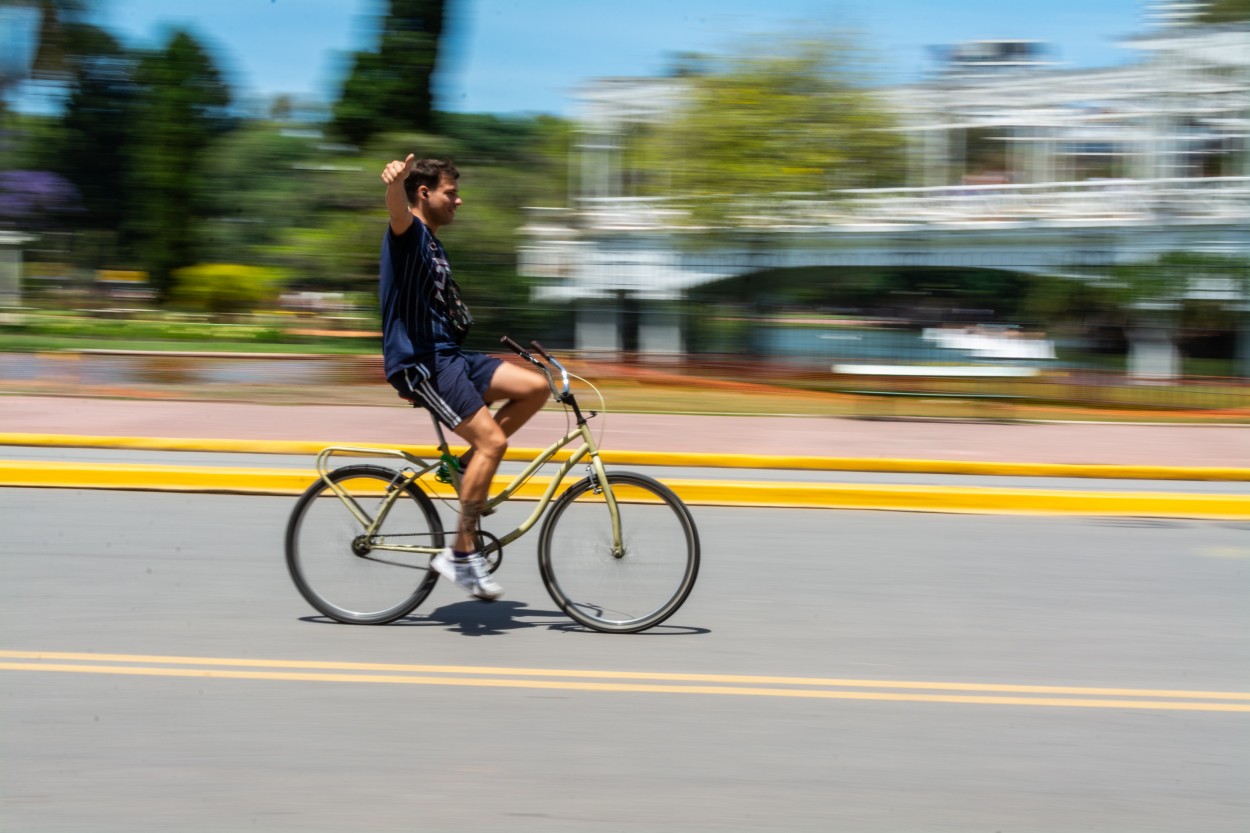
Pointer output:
451, 386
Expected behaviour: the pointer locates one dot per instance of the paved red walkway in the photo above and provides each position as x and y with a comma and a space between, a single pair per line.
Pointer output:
1087, 443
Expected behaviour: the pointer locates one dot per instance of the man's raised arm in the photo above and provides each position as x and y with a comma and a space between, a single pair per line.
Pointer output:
394, 175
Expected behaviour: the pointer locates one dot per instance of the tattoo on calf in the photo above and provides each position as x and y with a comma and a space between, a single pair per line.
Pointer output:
470, 512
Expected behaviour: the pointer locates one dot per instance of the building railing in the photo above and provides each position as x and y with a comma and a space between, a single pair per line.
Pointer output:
1113, 201
1107, 201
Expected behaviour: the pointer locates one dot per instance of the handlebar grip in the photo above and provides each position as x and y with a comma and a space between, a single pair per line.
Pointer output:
541, 350
512, 345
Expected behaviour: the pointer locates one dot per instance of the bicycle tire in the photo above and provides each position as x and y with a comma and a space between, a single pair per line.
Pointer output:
333, 566
632, 592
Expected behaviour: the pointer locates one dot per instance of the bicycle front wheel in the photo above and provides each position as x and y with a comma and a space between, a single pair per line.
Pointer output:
341, 569
625, 589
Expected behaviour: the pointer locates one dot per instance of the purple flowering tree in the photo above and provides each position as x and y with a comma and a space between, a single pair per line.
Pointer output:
35, 200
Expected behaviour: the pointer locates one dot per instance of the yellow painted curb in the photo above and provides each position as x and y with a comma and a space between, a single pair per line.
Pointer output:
964, 499
248, 481
695, 492
664, 458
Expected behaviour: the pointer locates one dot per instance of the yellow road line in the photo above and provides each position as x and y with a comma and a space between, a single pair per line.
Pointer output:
331, 665
663, 458
963, 499
660, 683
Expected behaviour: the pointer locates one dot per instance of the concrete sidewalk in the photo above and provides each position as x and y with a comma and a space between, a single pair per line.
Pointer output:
1064, 443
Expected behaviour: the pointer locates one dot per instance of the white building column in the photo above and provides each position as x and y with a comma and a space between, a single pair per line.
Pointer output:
661, 336
1152, 350
597, 328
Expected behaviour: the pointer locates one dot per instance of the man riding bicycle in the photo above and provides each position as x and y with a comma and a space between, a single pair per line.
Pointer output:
424, 322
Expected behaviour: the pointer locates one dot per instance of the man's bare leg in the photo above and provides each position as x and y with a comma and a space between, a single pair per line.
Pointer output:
525, 391
487, 437
461, 562
488, 443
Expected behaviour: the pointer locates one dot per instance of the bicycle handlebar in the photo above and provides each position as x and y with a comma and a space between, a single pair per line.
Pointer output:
551, 382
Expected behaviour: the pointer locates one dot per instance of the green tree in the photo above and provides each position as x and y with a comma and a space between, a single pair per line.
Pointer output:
1177, 278
264, 181
392, 88
181, 108
786, 117
92, 149
1179, 292
1226, 11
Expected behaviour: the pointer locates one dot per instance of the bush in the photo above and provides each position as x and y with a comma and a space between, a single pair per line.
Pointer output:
223, 288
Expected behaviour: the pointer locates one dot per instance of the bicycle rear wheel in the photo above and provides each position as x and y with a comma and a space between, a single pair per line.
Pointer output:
628, 591
339, 569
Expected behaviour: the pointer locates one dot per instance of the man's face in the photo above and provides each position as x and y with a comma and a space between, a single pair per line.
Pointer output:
440, 203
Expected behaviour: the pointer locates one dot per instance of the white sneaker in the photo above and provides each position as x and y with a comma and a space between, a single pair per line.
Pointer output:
471, 573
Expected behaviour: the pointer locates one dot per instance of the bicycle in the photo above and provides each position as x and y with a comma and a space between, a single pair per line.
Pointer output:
617, 551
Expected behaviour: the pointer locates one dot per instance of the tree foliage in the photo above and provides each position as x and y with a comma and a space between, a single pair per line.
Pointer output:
1175, 276
786, 117
263, 181
392, 88
182, 108
35, 200
1226, 11
93, 149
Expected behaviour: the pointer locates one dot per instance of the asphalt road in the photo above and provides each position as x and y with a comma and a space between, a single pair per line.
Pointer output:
860, 671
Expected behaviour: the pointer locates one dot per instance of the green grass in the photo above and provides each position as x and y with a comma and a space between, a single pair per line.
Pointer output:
62, 330
46, 343
59, 331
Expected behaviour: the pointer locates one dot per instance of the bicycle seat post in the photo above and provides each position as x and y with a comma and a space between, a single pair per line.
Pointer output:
443, 448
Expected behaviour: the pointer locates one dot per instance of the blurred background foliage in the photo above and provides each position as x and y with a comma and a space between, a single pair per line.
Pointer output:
150, 166
785, 115
1227, 11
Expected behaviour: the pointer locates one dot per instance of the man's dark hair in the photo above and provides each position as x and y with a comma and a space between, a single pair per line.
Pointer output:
428, 172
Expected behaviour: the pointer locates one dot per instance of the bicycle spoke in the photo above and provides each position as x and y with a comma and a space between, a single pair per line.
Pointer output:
632, 591
332, 560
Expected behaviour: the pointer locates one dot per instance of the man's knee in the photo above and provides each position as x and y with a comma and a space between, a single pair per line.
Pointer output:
531, 385
483, 434
538, 389
492, 444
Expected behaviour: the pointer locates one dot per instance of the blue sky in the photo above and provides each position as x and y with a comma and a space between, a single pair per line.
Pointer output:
511, 56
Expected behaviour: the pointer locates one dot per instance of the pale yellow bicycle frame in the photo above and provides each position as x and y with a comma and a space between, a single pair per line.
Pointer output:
419, 467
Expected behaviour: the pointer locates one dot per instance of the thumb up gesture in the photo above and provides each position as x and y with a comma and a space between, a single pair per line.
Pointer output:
397, 171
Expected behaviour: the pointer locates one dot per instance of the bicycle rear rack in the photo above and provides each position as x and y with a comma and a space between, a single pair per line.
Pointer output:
323, 459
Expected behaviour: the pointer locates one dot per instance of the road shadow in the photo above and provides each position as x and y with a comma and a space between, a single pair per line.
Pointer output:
478, 618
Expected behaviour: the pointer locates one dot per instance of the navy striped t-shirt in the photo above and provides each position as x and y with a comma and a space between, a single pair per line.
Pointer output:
414, 285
